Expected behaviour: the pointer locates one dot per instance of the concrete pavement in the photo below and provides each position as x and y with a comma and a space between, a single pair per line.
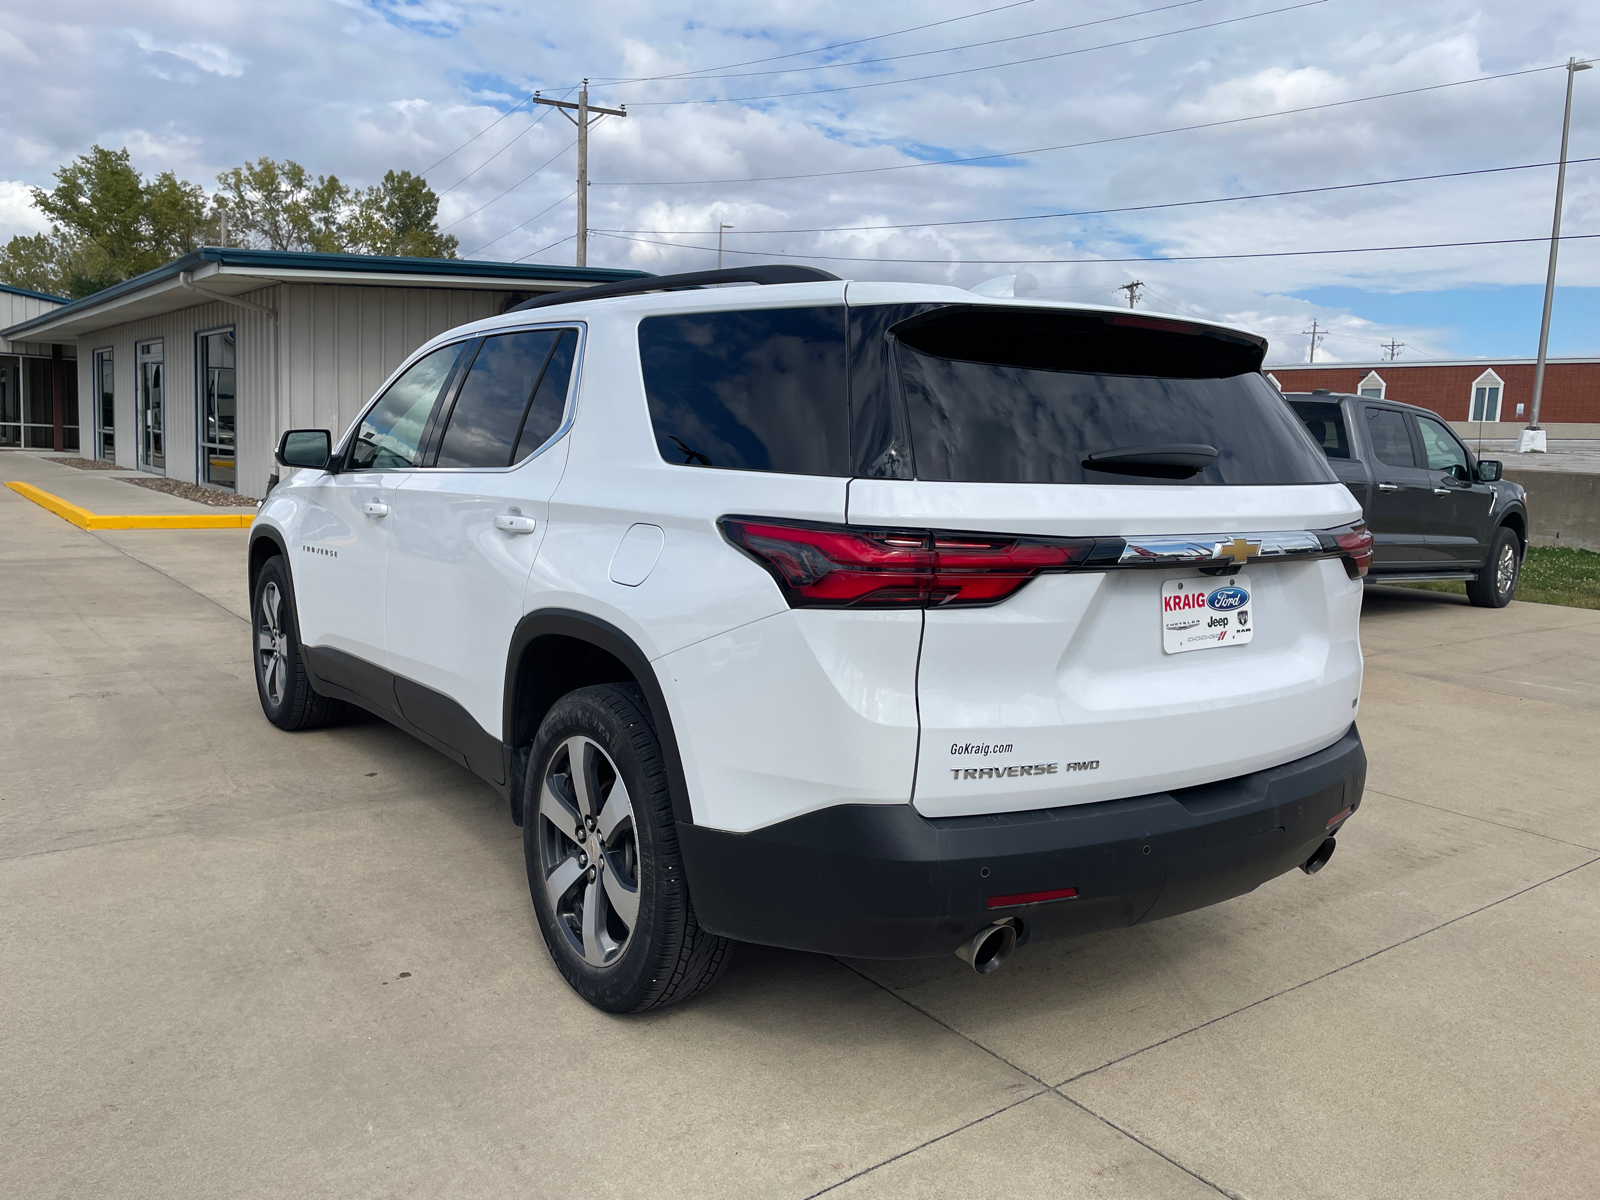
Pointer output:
236, 962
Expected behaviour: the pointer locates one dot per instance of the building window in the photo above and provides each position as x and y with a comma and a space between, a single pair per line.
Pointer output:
218, 410
104, 409
151, 418
1372, 386
1486, 391
10, 401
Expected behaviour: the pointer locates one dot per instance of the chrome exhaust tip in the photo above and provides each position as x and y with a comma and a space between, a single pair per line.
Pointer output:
987, 950
1320, 859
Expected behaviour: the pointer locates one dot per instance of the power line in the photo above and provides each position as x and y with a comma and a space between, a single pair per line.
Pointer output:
1315, 338
1126, 137
523, 132
1132, 208
551, 246
519, 225
956, 262
1021, 62
872, 62
515, 185
877, 37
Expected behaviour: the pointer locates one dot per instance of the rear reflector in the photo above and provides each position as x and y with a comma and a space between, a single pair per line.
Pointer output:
1339, 816
1032, 897
825, 566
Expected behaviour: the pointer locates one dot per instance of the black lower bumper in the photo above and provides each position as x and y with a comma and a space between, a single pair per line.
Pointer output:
883, 881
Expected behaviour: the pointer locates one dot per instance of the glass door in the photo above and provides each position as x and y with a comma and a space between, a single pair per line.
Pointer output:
152, 416
10, 400
104, 409
217, 410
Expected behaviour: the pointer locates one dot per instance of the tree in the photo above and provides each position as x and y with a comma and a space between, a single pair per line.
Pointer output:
108, 223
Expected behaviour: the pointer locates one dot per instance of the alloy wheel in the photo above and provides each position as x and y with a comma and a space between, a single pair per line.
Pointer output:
272, 648
1506, 569
589, 851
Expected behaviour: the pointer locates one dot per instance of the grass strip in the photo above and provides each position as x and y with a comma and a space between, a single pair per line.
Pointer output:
1550, 575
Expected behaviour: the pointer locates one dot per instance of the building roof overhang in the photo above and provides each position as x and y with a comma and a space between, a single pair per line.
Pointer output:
215, 273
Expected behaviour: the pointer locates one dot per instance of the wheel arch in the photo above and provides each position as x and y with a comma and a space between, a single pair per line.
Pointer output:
1516, 520
265, 541
553, 652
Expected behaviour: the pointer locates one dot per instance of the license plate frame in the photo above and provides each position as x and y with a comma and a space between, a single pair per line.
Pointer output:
1207, 613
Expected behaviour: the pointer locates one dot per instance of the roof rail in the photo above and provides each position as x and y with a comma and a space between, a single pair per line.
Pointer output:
773, 273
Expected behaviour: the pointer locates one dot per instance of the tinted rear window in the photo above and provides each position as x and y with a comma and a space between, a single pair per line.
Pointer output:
490, 410
1324, 421
1019, 396
759, 390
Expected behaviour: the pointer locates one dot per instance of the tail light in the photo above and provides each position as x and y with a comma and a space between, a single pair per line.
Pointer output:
1355, 542
826, 566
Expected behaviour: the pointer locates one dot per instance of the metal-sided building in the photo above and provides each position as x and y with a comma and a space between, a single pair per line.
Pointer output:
38, 381
193, 370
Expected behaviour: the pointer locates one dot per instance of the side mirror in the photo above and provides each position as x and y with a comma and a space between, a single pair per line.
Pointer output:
1488, 470
309, 448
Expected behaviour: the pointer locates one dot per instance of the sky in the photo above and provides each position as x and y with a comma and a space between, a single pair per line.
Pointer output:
822, 132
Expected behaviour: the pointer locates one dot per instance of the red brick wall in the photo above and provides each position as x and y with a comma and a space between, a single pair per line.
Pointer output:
1571, 390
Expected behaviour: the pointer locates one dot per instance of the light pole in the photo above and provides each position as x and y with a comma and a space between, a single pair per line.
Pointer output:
1533, 438
720, 227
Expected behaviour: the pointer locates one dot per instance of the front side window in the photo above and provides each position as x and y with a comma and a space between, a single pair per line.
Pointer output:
1324, 421
1386, 429
757, 390
1443, 452
1023, 396
512, 401
390, 435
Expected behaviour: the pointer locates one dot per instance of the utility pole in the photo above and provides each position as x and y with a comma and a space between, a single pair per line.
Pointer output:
720, 227
1392, 349
1132, 289
583, 120
1533, 438
1315, 338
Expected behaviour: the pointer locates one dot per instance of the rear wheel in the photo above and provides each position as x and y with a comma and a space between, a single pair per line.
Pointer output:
1497, 582
287, 696
602, 856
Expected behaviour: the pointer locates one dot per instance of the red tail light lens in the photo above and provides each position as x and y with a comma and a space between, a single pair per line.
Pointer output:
839, 566
1356, 542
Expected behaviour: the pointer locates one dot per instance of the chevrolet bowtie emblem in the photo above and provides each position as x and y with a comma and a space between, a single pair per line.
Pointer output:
1239, 549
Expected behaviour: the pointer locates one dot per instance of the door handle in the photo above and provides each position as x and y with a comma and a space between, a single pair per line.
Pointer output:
375, 508
1388, 487
513, 523
1441, 491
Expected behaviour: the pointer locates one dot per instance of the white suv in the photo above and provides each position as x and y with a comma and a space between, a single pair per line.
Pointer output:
880, 620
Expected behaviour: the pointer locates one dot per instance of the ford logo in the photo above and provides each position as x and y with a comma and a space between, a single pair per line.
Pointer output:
1228, 597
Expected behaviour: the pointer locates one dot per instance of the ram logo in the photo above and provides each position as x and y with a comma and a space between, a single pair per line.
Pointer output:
1226, 598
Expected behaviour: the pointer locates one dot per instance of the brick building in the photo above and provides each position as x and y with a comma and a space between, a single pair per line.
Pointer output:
1470, 390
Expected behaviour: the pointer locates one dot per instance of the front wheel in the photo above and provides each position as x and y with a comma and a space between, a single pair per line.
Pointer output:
602, 856
1497, 582
287, 697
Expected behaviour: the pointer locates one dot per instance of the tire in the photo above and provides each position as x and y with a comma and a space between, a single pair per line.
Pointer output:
622, 863
1497, 582
286, 694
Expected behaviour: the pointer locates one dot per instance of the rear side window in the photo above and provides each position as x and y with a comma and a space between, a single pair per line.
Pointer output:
391, 432
1022, 396
1386, 429
1324, 421
757, 390
504, 394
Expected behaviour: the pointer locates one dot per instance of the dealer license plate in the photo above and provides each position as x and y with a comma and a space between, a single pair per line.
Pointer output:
1200, 614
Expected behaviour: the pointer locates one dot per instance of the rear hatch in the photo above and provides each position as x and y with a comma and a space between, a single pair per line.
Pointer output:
1183, 599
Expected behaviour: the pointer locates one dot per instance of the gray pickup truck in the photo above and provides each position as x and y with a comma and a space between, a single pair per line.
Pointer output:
1435, 511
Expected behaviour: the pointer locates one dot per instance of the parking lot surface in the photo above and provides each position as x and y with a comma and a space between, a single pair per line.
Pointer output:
238, 962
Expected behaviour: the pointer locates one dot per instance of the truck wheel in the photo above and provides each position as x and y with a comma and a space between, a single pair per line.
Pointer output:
287, 696
602, 856
1497, 582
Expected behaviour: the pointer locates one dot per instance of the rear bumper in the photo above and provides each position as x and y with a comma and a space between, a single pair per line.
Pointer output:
883, 881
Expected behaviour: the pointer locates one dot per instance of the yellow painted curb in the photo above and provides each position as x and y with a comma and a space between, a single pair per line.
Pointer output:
84, 519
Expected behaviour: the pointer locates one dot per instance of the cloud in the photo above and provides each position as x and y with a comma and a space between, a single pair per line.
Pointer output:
17, 214
208, 56
12, 49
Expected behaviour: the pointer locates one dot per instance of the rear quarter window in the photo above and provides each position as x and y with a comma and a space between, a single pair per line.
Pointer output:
1324, 421
755, 390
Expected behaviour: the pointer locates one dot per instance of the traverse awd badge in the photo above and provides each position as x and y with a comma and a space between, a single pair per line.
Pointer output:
1201, 614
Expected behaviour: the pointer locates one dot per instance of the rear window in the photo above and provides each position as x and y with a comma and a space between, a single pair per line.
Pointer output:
1021, 396
1324, 421
760, 390
512, 400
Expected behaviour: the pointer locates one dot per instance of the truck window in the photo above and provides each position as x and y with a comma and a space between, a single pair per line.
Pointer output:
1443, 451
1324, 421
1386, 429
